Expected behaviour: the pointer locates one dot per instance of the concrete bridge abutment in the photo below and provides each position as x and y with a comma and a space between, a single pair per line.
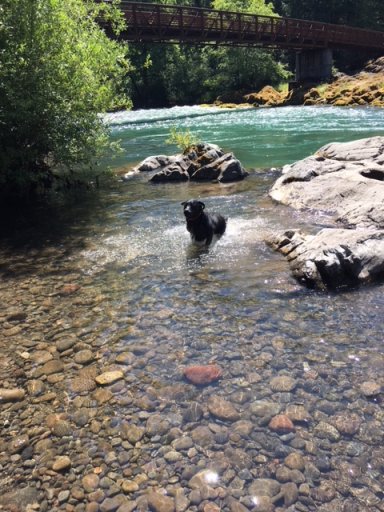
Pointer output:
314, 65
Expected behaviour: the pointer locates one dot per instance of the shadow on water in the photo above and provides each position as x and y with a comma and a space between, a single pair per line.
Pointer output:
34, 231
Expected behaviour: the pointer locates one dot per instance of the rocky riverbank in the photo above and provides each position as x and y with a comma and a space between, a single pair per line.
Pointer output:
364, 88
345, 180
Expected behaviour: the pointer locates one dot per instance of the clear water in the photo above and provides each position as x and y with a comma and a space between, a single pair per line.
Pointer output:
144, 290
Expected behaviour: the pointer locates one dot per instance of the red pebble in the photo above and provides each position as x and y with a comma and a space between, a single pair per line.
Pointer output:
202, 374
281, 424
68, 289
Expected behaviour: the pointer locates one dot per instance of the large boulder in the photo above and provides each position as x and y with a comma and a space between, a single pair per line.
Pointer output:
333, 258
203, 162
347, 181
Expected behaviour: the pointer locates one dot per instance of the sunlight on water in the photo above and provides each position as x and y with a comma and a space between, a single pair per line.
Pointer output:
260, 137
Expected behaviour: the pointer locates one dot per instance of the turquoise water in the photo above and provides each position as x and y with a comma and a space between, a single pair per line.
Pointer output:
260, 138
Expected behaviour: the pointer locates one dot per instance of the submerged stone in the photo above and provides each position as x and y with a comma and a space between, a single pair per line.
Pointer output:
201, 375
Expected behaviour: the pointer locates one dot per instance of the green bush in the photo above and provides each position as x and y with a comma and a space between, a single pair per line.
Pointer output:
183, 139
58, 72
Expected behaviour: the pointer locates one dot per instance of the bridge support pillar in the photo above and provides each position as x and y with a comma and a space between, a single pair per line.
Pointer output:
314, 65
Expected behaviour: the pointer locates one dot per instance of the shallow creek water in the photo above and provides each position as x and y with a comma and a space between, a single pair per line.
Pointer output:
105, 303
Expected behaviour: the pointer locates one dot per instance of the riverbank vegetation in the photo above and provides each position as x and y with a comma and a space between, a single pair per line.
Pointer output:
59, 71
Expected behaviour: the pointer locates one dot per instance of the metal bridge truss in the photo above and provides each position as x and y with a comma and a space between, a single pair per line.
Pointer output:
177, 24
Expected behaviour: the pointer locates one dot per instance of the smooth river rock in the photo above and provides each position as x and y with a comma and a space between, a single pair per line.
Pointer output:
11, 395
201, 375
203, 162
345, 180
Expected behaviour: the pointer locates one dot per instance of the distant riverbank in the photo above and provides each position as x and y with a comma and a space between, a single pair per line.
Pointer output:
361, 89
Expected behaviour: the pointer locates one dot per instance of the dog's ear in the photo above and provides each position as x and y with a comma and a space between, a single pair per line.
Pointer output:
183, 203
201, 204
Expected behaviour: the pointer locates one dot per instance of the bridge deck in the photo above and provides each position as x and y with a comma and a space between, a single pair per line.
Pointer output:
165, 23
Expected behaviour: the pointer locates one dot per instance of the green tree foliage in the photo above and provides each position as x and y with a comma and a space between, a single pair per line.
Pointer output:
251, 6
368, 14
58, 71
177, 74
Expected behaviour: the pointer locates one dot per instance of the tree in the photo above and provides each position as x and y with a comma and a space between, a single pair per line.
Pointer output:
251, 6
58, 72
178, 74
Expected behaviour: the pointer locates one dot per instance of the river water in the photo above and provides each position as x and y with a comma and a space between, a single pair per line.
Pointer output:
110, 283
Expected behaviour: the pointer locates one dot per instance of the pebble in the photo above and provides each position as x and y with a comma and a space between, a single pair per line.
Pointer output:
295, 461
160, 503
109, 377
297, 413
90, 482
202, 375
126, 358
64, 344
61, 463
281, 424
181, 501
11, 395
202, 435
347, 423
132, 433
325, 430
263, 408
80, 384
84, 357
182, 443
193, 413
291, 493
283, 383
49, 368
264, 487
172, 456
18, 443
69, 289
63, 496
222, 409
35, 387
370, 388
129, 486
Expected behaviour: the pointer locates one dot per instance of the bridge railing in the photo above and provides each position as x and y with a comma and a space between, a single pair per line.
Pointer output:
158, 22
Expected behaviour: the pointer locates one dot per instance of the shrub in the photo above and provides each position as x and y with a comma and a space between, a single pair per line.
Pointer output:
58, 72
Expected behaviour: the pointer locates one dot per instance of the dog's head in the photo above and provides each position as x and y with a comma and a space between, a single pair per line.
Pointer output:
193, 209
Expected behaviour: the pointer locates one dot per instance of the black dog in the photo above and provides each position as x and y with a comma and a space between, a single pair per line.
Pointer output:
201, 225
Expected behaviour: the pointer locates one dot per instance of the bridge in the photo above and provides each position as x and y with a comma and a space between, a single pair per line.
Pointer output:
312, 40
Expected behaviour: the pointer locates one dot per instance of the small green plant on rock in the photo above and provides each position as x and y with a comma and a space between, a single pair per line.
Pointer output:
183, 139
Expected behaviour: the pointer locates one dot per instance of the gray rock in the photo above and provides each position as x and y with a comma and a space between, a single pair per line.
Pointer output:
222, 409
264, 487
204, 162
211, 171
231, 170
160, 503
347, 181
152, 163
333, 258
171, 173
20, 498
11, 395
